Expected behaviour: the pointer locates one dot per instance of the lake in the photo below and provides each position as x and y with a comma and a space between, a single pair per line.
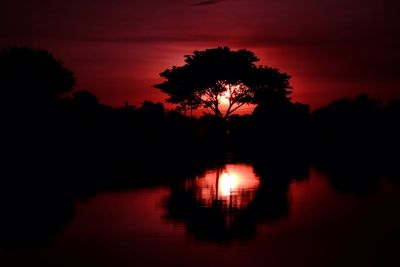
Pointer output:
234, 215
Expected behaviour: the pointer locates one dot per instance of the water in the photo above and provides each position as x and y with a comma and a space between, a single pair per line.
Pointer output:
236, 215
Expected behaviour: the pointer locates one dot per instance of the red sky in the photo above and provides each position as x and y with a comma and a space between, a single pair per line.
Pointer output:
332, 48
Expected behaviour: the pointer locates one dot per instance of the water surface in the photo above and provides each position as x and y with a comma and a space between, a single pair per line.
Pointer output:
234, 215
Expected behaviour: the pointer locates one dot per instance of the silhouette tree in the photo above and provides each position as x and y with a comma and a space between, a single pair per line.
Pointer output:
213, 74
151, 109
86, 100
32, 77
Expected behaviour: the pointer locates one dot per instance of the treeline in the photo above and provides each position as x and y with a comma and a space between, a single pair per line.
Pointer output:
346, 127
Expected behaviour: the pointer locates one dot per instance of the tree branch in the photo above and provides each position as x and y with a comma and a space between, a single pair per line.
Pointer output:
233, 110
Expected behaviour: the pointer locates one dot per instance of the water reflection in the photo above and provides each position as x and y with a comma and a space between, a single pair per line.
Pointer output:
232, 186
227, 203
33, 217
265, 204
219, 204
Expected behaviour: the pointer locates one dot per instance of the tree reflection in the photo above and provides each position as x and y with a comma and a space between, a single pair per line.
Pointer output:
229, 202
33, 216
358, 177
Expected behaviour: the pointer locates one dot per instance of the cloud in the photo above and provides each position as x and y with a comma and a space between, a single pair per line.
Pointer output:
207, 3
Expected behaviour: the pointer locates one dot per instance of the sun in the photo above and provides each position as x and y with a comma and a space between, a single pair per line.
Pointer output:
224, 98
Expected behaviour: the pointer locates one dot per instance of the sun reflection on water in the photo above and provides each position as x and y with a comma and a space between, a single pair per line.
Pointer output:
233, 186
228, 183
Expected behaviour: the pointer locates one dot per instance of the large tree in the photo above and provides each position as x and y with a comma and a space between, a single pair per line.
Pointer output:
32, 77
213, 75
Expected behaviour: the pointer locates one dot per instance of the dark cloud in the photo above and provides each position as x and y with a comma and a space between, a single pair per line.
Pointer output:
206, 3
189, 38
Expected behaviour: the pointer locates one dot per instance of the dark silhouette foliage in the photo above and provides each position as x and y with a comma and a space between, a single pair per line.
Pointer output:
32, 77
209, 75
350, 126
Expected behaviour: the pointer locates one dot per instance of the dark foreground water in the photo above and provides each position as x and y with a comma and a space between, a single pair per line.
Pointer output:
228, 217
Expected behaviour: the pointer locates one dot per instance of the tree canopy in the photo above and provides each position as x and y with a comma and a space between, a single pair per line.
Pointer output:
213, 74
32, 76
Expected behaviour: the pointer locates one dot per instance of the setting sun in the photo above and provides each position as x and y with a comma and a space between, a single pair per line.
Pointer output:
224, 98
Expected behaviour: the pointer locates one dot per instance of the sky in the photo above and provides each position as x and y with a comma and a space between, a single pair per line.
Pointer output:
331, 48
